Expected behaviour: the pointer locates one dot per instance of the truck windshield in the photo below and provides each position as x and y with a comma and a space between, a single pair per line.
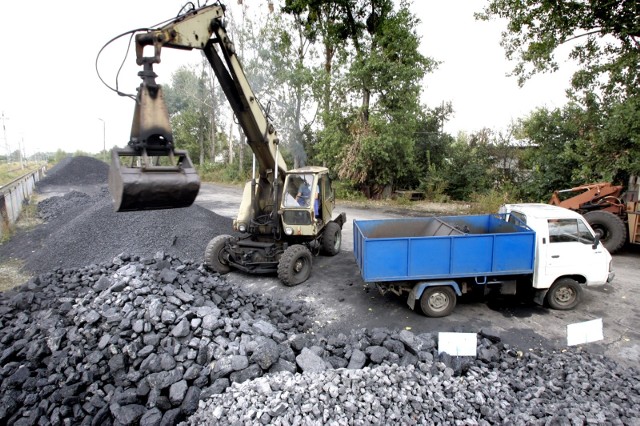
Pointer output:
569, 230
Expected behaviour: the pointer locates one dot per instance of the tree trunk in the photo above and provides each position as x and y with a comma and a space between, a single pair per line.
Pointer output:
366, 99
243, 138
230, 158
214, 113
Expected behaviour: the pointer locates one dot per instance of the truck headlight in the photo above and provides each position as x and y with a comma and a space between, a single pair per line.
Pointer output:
288, 230
242, 227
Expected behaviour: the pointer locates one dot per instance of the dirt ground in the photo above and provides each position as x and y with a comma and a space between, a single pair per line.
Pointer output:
343, 301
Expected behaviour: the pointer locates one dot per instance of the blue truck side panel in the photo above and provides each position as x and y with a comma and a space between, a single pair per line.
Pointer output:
442, 247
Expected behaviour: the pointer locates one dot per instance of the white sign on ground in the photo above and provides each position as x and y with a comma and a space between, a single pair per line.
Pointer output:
584, 332
458, 344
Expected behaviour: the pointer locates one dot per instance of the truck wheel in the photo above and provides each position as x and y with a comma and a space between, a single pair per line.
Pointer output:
213, 258
295, 265
565, 294
609, 227
331, 239
438, 302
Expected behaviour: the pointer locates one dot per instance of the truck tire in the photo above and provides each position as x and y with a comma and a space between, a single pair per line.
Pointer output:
609, 227
565, 294
437, 302
213, 254
294, 266
331, 239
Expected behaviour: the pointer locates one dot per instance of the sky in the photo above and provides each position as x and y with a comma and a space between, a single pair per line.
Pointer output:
51, 97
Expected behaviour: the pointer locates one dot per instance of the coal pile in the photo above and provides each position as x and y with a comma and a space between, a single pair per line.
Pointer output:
91, 232
157, 341
83, 229
134, 341
80, 170
52, 207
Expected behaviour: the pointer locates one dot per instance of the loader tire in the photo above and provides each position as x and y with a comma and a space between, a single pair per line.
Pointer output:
331, 239
437, 302
564, 295
294, 266
609, 227
213, 258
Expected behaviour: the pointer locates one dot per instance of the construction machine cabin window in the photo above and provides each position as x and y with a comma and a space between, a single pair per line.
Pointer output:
299, 190
569, 231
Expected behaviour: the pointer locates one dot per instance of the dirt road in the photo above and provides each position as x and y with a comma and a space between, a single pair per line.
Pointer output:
343, 302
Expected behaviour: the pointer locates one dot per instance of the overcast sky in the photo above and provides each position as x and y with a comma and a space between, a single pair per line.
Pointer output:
51, 96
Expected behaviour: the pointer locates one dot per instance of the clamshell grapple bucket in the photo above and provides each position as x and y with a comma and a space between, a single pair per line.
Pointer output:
138, 181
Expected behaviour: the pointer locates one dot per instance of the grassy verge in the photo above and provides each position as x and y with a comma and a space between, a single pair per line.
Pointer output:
11, 171
11, 275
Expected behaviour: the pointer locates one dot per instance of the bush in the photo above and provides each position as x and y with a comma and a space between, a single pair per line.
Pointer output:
223, 173
345, 190
490, 201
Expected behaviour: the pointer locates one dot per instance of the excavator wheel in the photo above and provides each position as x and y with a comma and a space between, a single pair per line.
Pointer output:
609, 228
295, 265
331, 239
213, 254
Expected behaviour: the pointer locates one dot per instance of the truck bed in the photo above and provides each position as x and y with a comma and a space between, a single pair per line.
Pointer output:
441, 248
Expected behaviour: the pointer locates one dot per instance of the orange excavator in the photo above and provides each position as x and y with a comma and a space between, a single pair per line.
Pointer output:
613, 215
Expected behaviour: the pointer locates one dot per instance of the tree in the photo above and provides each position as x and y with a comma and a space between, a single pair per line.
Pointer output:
284, 54
604, 36
370, 127
432, 148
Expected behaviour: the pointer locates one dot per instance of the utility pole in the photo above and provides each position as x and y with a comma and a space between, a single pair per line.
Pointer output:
6, 141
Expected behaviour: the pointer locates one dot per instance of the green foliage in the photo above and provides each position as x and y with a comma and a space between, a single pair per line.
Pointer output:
491, 200
574, 145
604, 35
345, 190
59, 155
597, 136
189, 102
223, 173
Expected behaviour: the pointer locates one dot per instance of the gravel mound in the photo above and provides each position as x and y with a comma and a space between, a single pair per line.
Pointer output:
538, 389
79, 170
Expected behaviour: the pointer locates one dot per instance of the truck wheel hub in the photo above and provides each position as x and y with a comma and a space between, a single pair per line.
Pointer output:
564, 295
438, 301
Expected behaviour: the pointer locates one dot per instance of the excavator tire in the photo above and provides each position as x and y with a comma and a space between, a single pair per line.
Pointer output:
212, 254
295, 265
331, 239
609, 227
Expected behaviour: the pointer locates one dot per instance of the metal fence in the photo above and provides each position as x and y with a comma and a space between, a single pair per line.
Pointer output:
14, 195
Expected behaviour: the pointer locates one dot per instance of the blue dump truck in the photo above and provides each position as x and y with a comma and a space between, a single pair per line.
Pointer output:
546, 251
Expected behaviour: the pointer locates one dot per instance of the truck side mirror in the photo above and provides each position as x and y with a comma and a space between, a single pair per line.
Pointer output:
596, 241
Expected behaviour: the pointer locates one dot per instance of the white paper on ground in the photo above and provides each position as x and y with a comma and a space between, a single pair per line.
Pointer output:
584, 332
458, 344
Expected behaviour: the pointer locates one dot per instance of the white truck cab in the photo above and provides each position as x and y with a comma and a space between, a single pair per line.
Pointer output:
567, 255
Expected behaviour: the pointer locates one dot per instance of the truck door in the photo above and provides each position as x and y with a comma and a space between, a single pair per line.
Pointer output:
570, 252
